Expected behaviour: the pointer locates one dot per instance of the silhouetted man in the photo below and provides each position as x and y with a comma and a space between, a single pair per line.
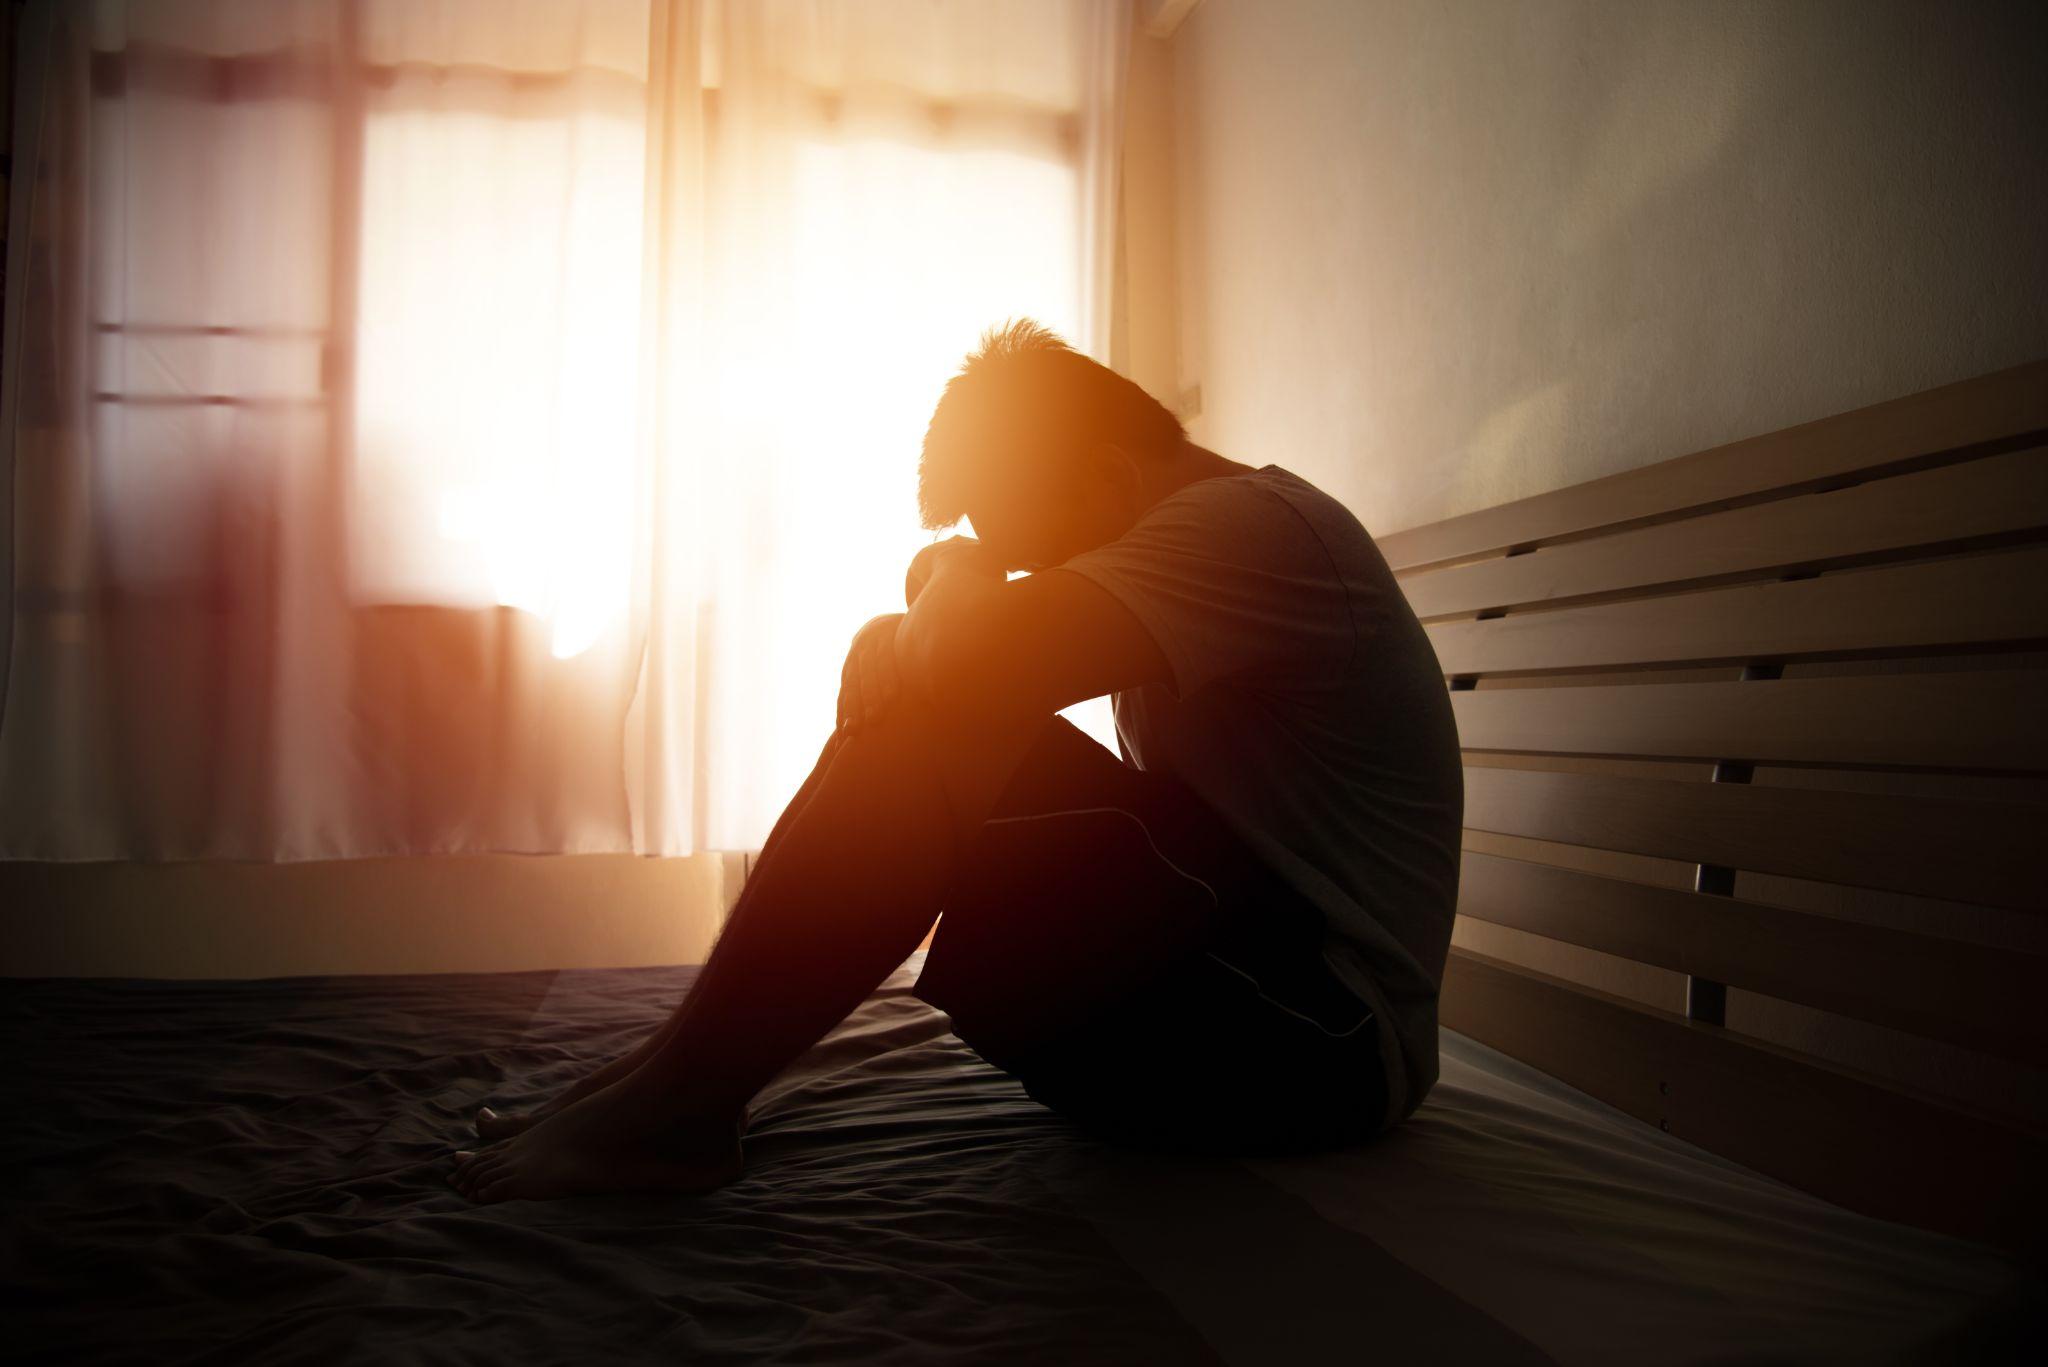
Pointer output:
1229, 941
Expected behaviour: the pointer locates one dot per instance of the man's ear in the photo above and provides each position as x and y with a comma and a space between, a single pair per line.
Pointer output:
1120, 468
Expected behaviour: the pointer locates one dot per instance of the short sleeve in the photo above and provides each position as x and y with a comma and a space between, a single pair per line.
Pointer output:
1234, 585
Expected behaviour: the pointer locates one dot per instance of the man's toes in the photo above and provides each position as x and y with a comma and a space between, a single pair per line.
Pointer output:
493, 1174
493, 1125
482, 1175
465, 1157
468, 1180
468, 1164
498, 1188
498, 1126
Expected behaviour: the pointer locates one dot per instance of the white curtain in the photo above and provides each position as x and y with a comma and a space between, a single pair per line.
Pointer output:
481, 424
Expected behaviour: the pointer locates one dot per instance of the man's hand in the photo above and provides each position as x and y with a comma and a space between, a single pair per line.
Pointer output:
955, 552
869, 682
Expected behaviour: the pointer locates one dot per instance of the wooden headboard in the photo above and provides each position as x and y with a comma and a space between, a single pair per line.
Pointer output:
1816, 655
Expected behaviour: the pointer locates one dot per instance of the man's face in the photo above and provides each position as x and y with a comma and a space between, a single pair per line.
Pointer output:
1040, 512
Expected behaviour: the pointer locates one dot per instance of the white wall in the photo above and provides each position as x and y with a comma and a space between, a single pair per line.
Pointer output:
1438, 254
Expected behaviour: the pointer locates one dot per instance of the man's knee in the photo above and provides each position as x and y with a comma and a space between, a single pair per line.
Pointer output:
910, 731
972, 754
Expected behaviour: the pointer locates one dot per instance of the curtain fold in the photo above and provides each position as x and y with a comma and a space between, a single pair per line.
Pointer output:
455, 426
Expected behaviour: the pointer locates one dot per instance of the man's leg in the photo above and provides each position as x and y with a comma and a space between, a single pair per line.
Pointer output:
855, 880
492, 1125
1116, 946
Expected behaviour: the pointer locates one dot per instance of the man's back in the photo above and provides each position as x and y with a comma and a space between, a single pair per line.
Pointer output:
1308, 709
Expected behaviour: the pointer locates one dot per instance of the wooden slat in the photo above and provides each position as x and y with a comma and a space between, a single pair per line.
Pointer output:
1950, 848
1974, 502
1980, 998
2003, 406
1973, 601
1838, 1134
1986, 720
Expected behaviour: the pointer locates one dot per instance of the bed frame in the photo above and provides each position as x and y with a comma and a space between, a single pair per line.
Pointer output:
1835, 631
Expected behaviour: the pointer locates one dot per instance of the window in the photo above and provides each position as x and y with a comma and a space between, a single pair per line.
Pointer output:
408, 288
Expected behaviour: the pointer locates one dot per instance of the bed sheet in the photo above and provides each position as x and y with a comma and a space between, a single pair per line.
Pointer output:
254, 1171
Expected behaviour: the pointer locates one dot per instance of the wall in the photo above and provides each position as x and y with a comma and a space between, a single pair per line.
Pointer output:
1438, 256
445, 914
1145, 331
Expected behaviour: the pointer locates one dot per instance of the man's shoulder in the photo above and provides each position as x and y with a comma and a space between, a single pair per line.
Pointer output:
1269, 517
1267, 494
1322, 508
1317, 515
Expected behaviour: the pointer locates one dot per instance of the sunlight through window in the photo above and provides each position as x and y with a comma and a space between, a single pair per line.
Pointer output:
500, 335
498, 326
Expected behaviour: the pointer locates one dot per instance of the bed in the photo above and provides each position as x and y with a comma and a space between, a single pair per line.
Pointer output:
254, 1171
1755, 733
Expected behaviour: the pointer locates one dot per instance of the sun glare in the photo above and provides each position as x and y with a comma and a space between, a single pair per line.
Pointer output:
498, 317
901, 257
497, 423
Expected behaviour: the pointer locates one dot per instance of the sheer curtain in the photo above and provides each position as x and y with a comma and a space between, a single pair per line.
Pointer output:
461, 425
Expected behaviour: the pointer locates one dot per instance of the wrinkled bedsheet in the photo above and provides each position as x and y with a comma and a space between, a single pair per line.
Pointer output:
255, 1171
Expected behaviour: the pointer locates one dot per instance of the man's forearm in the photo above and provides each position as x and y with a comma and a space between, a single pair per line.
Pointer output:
935, 639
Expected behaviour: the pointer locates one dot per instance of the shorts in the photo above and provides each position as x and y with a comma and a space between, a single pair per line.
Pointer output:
1112, 943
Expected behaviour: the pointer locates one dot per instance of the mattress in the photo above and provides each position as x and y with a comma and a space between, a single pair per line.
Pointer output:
255, 1171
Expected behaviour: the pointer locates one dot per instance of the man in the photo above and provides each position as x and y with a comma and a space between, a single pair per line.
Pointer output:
1230, 943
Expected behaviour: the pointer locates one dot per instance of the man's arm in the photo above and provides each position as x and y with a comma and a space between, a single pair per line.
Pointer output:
1008, 650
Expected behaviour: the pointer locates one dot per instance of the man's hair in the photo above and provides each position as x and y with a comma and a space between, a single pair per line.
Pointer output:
1023, 391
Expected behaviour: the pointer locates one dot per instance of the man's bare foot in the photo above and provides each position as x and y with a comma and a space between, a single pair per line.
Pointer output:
494, 1125
613, 1140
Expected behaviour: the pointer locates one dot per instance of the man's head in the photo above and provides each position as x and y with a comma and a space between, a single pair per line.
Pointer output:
1043, 449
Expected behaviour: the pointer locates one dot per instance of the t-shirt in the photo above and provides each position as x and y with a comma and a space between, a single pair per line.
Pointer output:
1308, 709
